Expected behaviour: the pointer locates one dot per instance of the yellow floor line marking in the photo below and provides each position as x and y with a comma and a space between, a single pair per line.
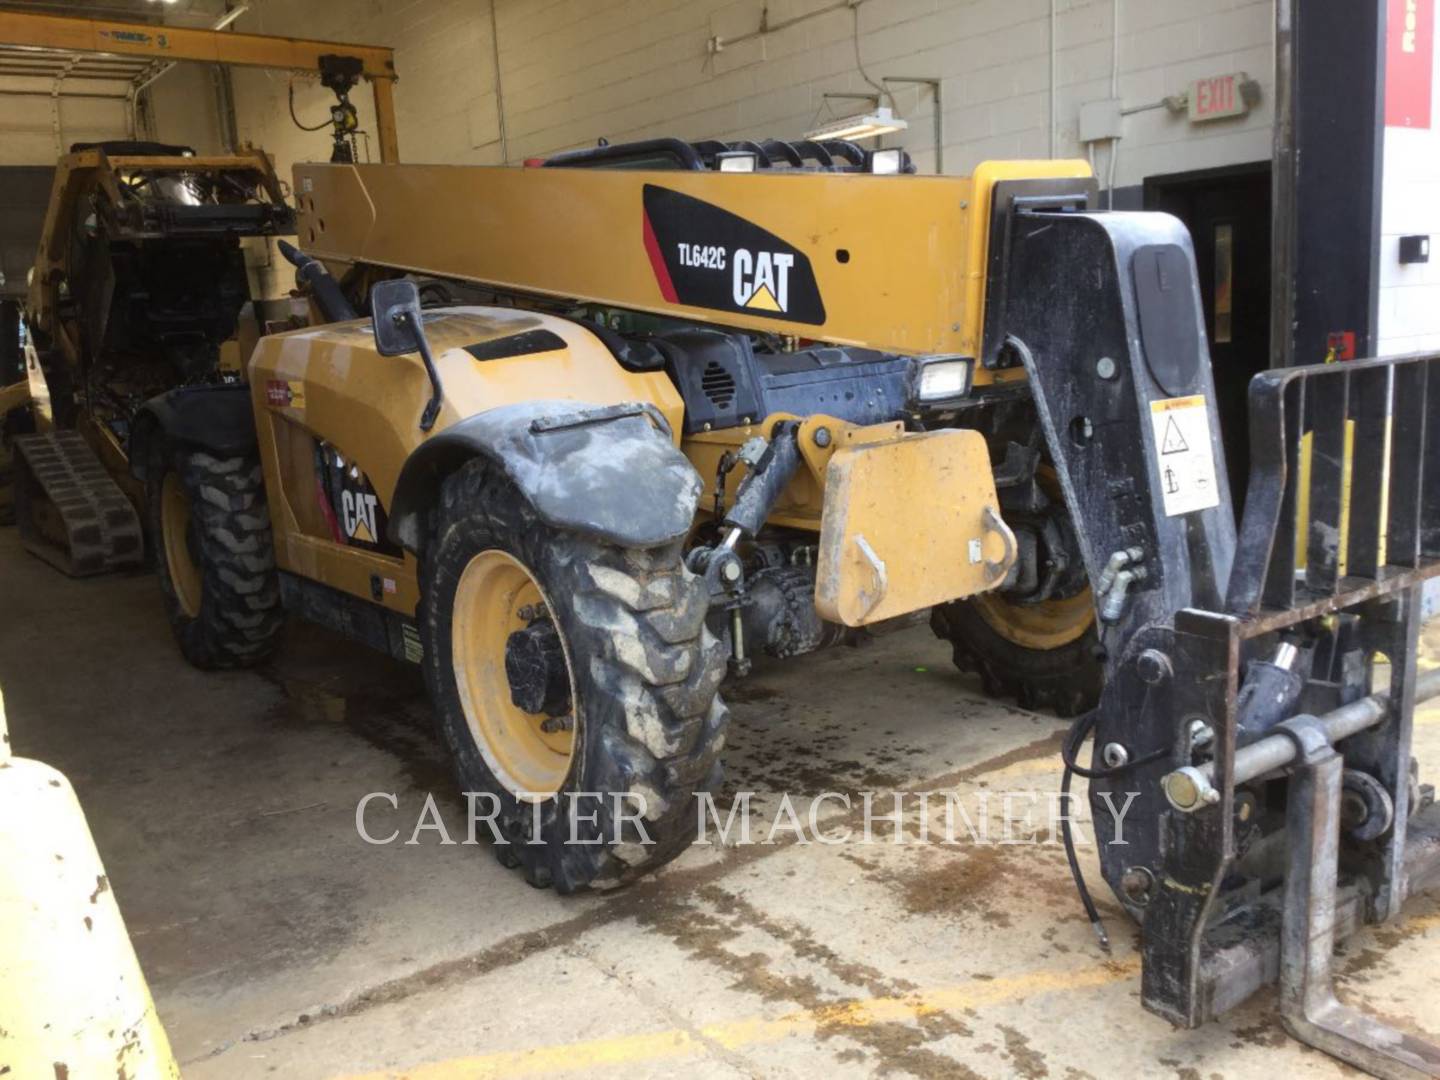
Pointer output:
733, 1034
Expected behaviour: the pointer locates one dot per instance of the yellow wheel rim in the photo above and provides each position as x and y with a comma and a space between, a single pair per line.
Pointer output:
531, 762
1049, 624
175, 528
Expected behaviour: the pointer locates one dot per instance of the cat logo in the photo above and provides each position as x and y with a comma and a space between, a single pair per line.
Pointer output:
762, 280
358, 509
705, 256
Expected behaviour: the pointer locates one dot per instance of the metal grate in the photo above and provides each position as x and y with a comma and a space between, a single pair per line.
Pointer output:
718, 384
1383, 416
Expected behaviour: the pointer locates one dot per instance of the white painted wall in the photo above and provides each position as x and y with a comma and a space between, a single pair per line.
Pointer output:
183, 108
574, 70
1410, 295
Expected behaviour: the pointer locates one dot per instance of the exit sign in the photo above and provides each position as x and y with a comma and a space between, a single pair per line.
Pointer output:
1220, 96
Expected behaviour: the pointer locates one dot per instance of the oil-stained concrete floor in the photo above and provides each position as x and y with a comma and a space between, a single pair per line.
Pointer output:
277, 942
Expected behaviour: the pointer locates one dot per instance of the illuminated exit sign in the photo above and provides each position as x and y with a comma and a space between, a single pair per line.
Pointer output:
1222, 96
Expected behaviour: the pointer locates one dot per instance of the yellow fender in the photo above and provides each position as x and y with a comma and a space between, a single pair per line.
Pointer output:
73, 1001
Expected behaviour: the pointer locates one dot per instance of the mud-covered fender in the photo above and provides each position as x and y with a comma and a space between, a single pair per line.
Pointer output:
611, 472
217, 418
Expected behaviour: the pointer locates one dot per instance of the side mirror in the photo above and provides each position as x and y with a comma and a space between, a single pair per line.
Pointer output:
396, 316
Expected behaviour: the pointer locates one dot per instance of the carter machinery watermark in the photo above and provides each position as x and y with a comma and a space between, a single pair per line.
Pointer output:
833, 817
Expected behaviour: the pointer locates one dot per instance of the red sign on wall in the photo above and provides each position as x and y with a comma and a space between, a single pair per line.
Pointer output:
1216, 98
1409, 62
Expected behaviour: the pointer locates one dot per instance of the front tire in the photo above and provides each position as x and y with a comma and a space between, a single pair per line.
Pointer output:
620, 705
210, 529
1043, 656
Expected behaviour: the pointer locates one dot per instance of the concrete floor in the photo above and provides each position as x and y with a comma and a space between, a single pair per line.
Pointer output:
278, 942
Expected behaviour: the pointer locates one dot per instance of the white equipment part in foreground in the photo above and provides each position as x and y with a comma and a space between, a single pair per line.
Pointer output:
72, 996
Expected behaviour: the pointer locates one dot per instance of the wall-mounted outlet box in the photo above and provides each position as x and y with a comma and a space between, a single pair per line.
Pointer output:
1100, 120
1414, 249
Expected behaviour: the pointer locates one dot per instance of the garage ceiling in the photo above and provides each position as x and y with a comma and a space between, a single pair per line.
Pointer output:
180, 12
49, 65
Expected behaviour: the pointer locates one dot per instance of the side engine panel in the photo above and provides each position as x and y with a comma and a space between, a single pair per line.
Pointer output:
726, 383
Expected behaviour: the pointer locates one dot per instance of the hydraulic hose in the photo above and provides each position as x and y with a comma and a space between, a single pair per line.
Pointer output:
1069, 748
310, 273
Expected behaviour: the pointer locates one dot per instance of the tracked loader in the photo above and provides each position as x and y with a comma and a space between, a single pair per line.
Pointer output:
137, 289
579, 438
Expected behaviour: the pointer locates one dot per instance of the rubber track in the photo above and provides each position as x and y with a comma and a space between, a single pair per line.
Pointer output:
102, 530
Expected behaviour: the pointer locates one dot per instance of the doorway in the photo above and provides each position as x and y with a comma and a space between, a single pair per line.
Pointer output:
1228, 214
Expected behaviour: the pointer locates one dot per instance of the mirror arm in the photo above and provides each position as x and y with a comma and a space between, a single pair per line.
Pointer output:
437, 394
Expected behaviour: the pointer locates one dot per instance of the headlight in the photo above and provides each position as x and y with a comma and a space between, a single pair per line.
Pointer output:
887, 162
939, 380
736, 161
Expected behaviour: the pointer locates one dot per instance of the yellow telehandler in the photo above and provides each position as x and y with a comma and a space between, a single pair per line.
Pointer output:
580, 438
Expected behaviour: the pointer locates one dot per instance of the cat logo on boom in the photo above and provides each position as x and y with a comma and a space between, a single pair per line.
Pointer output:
762, 280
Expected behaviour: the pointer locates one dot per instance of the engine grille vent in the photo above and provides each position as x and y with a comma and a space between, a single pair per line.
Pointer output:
718, 384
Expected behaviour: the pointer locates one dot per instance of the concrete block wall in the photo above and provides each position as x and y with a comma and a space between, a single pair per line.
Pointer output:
575, 70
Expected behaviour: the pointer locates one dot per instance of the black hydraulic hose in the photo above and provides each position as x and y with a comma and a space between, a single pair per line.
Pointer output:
296, 119
311, 273
1091, 911
636, 154
1069, 746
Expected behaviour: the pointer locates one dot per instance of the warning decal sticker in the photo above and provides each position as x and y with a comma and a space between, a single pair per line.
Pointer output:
282, 393
1182, 451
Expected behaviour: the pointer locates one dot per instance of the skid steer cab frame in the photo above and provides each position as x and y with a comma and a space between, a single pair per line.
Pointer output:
851, 397
138, 287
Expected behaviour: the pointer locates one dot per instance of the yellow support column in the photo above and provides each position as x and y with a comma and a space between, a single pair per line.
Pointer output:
385, 120
72, 998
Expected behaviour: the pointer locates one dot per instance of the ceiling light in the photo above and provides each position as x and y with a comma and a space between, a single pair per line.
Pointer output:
868, 125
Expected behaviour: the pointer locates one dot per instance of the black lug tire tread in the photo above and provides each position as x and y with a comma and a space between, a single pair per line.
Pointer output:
646, 669
1066, 680
241, 616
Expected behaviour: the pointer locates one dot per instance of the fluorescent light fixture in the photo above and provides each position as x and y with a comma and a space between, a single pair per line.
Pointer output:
230, 16
868, 125
736, 161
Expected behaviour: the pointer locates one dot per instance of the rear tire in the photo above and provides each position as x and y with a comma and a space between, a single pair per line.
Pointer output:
210, 530
643, 674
